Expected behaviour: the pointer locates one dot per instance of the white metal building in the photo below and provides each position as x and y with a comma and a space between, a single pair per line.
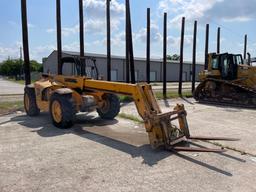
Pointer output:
118, 67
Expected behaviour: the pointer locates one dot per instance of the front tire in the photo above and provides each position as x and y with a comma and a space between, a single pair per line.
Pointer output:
62, 110
110, 108
30, 105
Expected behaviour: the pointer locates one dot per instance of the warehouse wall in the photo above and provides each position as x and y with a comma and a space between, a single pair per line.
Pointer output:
118, 68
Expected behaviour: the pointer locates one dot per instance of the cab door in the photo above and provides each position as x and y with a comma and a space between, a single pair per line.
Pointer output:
228, 67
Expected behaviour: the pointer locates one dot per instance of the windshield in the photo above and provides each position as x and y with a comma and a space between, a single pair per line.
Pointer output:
238, 59
215, 63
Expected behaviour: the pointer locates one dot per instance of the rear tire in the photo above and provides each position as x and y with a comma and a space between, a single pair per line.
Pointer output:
110, 108
62, 110
30, 105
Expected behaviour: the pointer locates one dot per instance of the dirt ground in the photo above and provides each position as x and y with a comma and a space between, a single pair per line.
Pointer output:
98, 155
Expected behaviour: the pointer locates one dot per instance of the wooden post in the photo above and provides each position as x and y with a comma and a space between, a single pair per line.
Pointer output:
25, 42
130, 41
245, 46
206, 47
108, 41
148, 46
127, 46
218, 41
165, 55
181, 55
194, 57
59, 43
81, 19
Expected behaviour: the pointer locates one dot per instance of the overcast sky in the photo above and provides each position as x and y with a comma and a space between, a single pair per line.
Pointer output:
235, 18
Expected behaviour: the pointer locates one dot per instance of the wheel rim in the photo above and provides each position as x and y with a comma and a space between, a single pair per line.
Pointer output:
26, 102
56, 111
106, 106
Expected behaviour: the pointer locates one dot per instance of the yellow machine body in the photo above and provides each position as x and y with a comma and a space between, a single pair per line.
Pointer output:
227, 80
246, 75
158, 125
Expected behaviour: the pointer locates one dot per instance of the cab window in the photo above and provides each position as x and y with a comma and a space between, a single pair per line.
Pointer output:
239, 60
215, 63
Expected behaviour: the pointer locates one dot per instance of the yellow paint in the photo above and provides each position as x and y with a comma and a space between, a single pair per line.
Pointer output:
157, 124
56, 111
246, 75
26, 102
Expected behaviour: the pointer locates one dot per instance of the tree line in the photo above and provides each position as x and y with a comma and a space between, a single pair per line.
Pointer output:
14, 68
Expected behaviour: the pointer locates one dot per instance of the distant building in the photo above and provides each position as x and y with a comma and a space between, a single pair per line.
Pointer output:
118, 69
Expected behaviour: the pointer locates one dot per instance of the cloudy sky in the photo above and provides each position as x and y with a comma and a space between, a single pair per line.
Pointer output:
235, 18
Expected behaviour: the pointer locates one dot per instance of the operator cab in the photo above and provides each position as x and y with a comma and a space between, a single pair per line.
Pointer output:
72, 65
227, 64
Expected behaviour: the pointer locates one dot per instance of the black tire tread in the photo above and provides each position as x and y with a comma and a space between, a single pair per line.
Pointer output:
67, 109
33, 108
114, 107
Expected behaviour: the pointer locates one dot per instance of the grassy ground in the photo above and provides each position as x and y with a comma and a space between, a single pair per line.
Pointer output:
159, 95
130, 117
8, 107
172, 95
22, 82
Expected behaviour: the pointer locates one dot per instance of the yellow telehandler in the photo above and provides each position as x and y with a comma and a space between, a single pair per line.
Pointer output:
64, 96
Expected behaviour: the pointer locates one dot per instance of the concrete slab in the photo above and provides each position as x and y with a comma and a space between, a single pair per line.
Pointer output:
209, 120
8, 87
97, 155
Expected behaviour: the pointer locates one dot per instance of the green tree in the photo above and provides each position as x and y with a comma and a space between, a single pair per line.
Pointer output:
11, 67
174, 57
35, 66
14, 67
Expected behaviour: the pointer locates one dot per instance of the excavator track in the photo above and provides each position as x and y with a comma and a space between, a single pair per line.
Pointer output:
227, 93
